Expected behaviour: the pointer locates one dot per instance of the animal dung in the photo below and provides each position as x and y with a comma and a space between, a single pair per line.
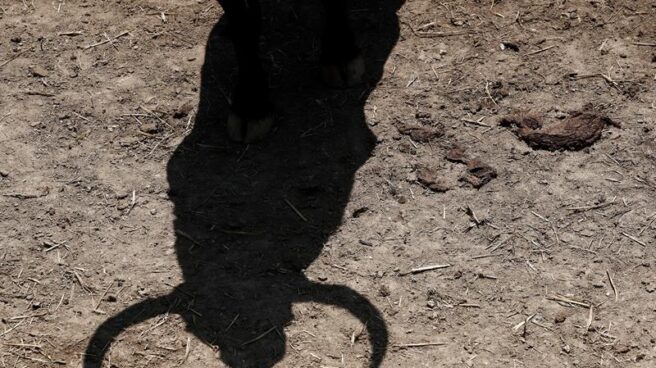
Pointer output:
457, 154
478, 173
420, 133
423, 130
430, 179
580, 130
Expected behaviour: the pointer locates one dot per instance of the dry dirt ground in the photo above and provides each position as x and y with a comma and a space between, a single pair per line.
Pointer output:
119, 192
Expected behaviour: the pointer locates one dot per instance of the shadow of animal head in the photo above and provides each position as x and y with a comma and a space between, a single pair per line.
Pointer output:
250, 219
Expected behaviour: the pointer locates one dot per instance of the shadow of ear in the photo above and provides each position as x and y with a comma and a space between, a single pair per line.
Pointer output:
356, 304
108, 332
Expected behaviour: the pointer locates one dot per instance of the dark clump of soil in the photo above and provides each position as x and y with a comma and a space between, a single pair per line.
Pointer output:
580, 130
420, 133
424, 130
429, 178
457, 154
478, 173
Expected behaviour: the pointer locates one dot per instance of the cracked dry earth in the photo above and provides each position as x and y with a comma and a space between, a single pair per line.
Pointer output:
549, 264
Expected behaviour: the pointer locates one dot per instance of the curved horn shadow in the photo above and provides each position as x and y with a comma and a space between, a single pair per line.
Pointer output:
106, 333
360, 307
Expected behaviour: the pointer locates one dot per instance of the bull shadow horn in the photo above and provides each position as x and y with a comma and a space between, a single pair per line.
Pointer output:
106, 333
356, 304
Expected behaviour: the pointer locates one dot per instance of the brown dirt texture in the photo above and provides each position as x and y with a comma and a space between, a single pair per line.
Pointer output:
122, 200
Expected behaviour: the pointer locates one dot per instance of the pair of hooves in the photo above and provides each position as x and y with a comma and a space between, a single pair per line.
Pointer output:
249, 130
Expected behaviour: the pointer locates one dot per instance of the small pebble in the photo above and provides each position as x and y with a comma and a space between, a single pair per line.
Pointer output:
366, 242
150, 128
38, 71
621, 348
183, 110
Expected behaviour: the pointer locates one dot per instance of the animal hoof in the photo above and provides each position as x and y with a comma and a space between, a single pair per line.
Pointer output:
344, 75
248, 130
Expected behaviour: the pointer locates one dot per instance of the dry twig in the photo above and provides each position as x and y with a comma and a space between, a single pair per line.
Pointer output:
612, 285
425, 268
108, 40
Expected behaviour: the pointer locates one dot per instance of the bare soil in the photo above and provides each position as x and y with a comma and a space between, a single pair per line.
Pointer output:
120, 194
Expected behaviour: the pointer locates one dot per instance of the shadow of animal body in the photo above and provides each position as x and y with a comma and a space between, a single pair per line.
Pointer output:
241, 245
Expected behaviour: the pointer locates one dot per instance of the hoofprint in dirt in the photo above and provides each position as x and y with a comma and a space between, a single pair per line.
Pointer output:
551, 263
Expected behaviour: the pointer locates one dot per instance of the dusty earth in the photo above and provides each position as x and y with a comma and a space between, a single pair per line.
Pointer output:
119, 193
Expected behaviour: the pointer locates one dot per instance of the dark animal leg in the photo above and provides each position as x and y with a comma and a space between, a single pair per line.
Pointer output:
342, 63
358, 306
251, 116
107, 332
